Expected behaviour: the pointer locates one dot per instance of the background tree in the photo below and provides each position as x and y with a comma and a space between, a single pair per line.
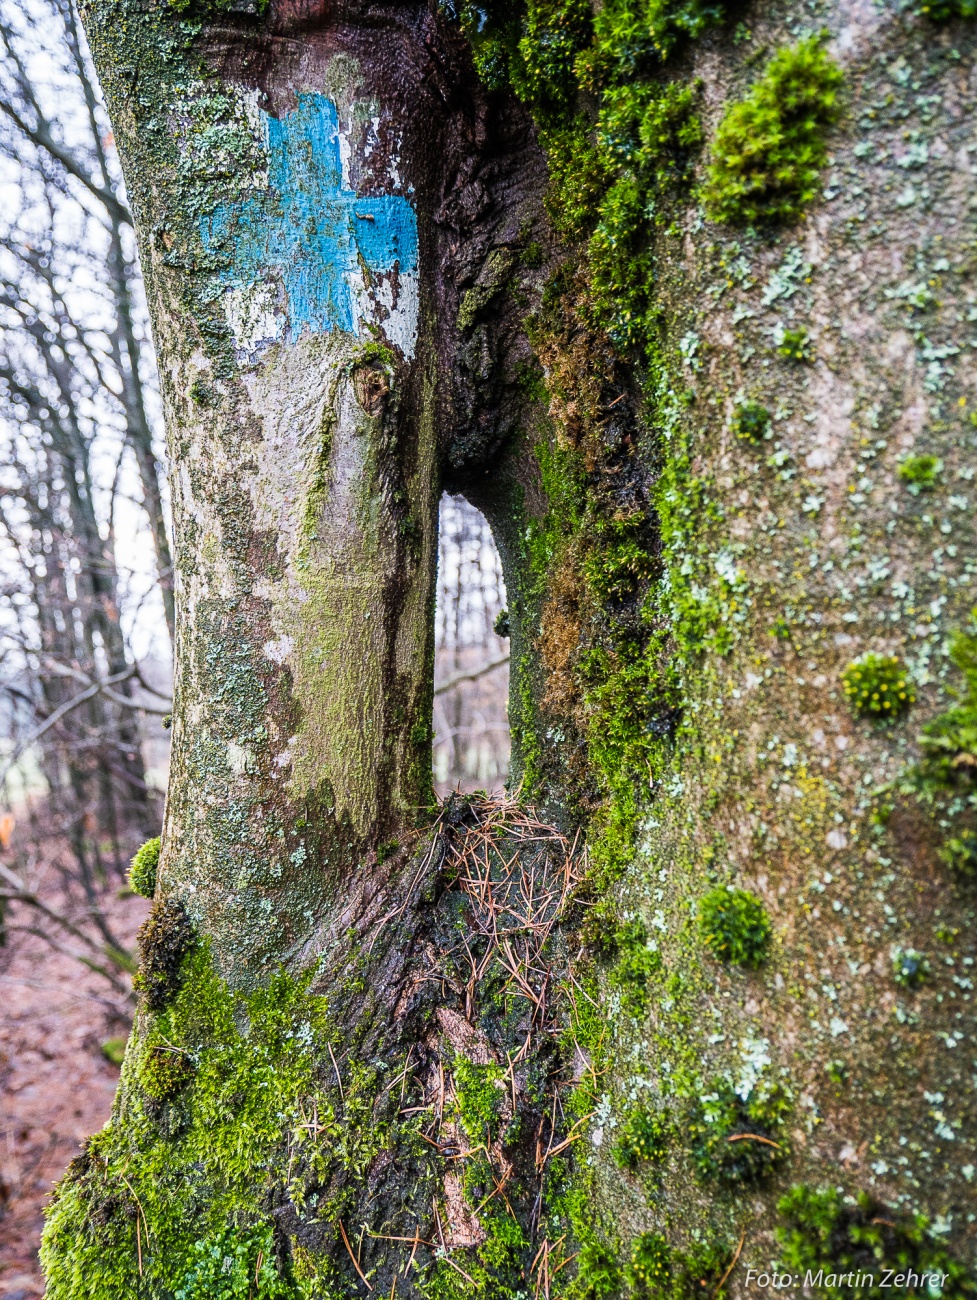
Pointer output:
76, 403
674, 292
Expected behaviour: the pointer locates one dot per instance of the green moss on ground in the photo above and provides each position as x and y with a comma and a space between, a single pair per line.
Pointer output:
225, 1113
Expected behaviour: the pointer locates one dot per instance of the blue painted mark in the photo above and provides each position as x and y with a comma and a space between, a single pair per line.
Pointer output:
305, 228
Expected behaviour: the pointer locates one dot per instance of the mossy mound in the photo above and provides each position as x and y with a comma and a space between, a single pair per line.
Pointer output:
878, 687
770, 147
142, 869
734, 926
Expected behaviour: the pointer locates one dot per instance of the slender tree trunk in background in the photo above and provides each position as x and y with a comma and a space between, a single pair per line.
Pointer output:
714, 400
125, 344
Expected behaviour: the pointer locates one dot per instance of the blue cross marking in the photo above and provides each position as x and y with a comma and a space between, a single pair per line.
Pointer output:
308, 230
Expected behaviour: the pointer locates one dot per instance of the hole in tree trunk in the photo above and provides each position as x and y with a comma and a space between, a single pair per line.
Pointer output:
471, 665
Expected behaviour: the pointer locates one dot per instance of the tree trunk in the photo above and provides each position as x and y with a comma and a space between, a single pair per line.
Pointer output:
711, 399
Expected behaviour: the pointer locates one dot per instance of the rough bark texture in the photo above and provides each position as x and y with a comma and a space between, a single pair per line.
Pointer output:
695, 394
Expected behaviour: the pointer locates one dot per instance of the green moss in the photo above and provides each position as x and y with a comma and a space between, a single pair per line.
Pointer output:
647, 139
196, 1154
644, 1139
700, 1269
794, 344
599, 1273
634, 37
737, 1140
236, 1263
210, 8
878, 687
949, 762
959, 851
553, 34
578, 174
618, 564
770, 147
735, 926
823, 1230
751, 421
587, 1021
164, 1070
480, 1091
497, 1266
114, 1050
493, 32
920, 472
166, 938
945, 777
837, 1072
142, 869
650, 1270
637, 962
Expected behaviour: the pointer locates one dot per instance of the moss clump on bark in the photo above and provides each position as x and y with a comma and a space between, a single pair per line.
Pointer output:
878, 687
794, 344
770, 147
942, 11
909, 967
650, 1270
644, 1140
165, 939
920, 472
638, 960
164, 1070
235, 1263
480, 1092
142, 869
944, 779
658, 1272
735, 926
737, 1139
751, 421
825, 1232
634, 37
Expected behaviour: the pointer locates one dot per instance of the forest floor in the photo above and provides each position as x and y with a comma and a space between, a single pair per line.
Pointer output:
56, 1084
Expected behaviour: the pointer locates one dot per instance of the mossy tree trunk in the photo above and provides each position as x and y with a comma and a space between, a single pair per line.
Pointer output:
679, 294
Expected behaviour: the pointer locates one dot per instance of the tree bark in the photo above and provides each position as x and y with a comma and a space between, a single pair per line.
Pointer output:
643, 1071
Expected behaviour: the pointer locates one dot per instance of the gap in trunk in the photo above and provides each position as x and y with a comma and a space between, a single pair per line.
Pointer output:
471, 663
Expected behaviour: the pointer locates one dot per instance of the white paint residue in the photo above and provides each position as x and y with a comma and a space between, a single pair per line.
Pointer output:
345, 154
400, 326
255, 318
376, 306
